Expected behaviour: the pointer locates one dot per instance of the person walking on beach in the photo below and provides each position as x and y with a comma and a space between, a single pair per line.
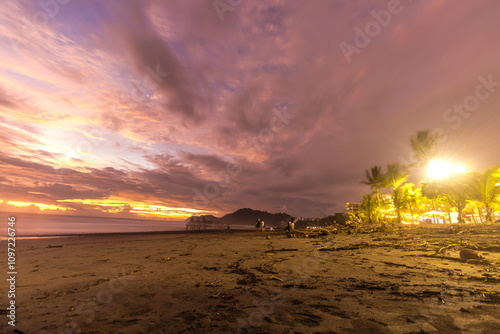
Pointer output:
262, 226
290, 227
257, 224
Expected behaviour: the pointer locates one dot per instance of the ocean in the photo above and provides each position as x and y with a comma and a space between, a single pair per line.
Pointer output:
40, 225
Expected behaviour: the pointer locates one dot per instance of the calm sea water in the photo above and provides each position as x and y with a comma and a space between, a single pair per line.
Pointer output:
32, 224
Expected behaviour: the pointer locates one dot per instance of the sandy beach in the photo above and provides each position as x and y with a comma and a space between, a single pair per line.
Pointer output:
407, 281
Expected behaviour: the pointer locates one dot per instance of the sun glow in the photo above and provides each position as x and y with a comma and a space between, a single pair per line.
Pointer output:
459, 169
142, 209
40, 206
440, 169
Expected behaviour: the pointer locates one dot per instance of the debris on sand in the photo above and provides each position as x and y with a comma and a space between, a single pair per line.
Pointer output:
267, 269
350, 247
248, 276
469, 254
282, 250
490, 297
300, 286
462, 260
211, 268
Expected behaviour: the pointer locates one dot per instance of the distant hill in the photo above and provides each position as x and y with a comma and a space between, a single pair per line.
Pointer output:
248, 217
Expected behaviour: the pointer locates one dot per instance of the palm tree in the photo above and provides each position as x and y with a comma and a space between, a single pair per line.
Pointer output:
473, 205
450, 193
370, 207
458, 191
486, 190
423, 146
396, 175
376, 180
411, 197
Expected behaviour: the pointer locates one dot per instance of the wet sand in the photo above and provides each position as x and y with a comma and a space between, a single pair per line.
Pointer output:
243, 282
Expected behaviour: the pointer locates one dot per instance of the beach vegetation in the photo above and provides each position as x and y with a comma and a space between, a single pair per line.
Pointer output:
485, 190
448, 195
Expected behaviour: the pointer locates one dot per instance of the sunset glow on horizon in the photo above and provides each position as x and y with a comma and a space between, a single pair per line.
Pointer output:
134, 209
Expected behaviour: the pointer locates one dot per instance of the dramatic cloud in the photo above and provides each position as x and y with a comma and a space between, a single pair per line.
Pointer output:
276, 105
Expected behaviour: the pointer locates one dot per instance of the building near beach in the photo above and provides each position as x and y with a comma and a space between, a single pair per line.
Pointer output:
202, 223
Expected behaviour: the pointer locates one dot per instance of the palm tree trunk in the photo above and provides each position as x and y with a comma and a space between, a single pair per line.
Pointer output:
395, 200
479, 213
449, 212
489, 216
378, 206
460, 213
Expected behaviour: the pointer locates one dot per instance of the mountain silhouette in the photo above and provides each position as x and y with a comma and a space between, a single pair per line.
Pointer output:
249, 216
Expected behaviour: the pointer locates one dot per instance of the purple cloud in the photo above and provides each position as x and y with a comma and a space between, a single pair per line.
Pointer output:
182, 99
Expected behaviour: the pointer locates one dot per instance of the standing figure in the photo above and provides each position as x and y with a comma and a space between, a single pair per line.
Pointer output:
257, 224
262, 226
290, 228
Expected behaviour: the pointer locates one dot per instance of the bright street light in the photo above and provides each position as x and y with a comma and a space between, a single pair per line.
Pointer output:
438, 169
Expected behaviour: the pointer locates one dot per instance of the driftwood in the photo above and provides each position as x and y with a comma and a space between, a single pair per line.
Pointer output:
282, 250
476, 261
350, 247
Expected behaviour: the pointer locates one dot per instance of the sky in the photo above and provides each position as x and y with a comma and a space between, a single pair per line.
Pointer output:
172, 108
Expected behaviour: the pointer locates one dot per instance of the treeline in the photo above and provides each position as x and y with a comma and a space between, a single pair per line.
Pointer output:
340, 218
460, 192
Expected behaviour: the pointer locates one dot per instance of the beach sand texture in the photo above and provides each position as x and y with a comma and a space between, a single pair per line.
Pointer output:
242, 282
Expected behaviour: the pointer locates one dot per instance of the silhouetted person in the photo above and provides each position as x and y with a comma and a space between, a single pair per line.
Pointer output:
290, 227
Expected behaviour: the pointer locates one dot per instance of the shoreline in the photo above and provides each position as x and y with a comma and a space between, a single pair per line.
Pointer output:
65, 235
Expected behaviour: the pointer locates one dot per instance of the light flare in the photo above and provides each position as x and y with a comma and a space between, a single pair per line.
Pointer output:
438, 169
459, 169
